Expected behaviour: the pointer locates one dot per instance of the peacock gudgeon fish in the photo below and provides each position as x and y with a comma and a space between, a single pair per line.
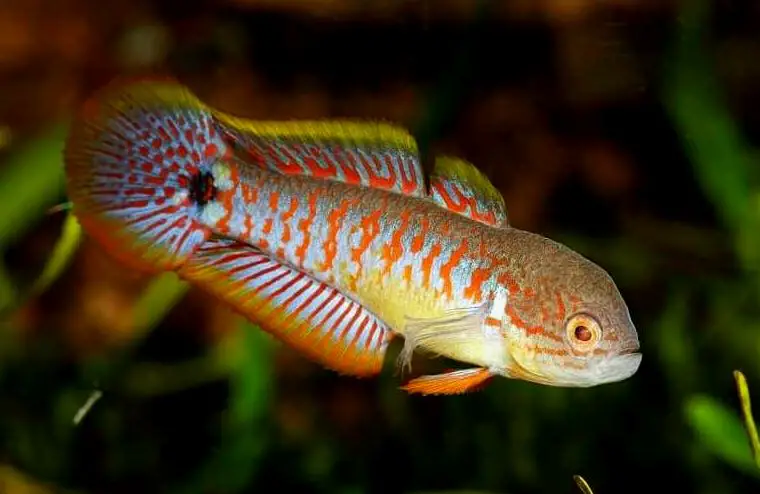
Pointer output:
329, 236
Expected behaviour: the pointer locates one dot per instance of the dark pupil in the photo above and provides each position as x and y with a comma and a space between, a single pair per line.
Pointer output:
582, 333
202, 188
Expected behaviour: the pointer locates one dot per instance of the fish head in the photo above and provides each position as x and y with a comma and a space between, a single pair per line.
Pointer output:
568, 325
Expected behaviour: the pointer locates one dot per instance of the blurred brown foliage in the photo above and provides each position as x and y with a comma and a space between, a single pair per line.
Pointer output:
534, 136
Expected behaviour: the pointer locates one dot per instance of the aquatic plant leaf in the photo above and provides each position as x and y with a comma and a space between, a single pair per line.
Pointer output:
721, 432
157, 300
247, 350
582, 484
63, 252
27, 196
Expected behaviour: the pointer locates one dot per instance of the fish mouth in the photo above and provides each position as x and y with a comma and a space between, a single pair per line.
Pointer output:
619, 367
615, 368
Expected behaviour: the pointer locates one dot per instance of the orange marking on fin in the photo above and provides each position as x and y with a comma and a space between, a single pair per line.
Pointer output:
314, 164
326, 344
382, 182
450, 383
267, 229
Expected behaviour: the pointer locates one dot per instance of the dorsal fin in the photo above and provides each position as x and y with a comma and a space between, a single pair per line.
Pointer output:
372, 154
458, 186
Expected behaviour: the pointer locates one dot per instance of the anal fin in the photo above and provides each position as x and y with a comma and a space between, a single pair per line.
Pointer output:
458, 186
312, 317
449, 383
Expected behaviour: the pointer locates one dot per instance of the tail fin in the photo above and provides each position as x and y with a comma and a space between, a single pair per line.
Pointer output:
138, 163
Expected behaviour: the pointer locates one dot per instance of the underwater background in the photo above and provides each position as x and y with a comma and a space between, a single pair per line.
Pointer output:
626, 129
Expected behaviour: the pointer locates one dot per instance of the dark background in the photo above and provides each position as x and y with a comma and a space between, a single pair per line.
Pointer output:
626, 129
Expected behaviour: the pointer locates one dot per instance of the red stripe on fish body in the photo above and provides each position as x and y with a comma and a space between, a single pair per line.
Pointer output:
399, 256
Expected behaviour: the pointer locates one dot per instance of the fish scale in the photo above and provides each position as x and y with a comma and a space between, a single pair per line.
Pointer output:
370, 244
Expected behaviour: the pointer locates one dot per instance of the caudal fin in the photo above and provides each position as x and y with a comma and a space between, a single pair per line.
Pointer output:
138, 163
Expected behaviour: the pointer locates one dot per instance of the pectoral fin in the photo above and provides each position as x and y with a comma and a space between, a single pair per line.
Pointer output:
441, 334
449, 383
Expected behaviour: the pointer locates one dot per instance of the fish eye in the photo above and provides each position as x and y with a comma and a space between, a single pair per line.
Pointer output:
584, 331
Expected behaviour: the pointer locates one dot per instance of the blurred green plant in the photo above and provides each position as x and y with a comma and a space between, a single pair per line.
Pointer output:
723, 433
711, 138
749, 421
59, 259
721, 160
582, 484
27, 195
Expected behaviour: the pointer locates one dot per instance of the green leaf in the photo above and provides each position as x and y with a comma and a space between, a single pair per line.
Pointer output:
30, 181
252, 380
710, 136
721, 432
157, 300
248, 352
62, 254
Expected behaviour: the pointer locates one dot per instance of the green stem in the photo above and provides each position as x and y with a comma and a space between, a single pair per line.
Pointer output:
582, 484
749, 421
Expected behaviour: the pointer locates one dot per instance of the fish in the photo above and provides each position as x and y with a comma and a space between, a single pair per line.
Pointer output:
330, 236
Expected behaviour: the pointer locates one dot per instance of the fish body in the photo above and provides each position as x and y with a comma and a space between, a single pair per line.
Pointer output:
327, 236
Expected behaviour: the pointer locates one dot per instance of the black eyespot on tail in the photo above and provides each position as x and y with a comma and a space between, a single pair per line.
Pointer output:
202, 188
